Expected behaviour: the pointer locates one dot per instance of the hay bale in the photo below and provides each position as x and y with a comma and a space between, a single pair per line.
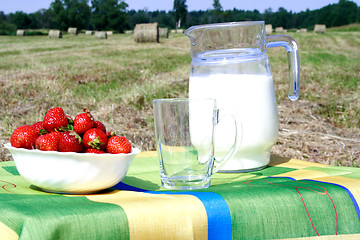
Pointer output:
72, 31
173, 31
303, 29
55, 34
164, 32
146, 32
100, 35
279, 29
109, 33
129, 32
268, 29
319, 28
180, 30
20, 32
88, 32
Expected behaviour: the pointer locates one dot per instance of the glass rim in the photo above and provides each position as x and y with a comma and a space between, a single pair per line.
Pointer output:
174, 100
225, 24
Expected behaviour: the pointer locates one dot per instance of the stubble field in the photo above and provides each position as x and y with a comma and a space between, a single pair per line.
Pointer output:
117, 79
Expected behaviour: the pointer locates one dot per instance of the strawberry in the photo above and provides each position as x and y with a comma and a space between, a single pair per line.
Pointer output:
70, 141
92, 150
48, 142
83, 122
99, 125
118, 144
95, 138
24, 137
39, 128
55, 119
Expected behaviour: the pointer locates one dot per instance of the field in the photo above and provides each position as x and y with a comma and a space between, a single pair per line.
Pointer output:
117, 79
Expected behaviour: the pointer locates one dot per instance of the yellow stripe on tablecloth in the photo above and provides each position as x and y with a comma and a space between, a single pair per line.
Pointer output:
303, 174
154, 153
163, 217
353, 185
7, 233
277, 161
147, 154
336, 237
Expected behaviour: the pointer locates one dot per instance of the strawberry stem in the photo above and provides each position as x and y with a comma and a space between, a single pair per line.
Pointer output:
96, 143
88, 113
42, 132
77, 136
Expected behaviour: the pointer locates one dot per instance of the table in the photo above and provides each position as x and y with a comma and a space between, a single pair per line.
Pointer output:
288, 199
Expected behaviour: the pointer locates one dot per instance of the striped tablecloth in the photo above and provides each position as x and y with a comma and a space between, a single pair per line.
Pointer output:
288, 199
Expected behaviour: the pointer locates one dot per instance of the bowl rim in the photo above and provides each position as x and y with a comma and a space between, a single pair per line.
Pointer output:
134, 151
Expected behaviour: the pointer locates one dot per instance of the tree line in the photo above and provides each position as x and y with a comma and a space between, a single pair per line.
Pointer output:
114, 15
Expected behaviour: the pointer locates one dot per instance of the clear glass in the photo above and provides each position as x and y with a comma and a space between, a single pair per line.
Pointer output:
229, 64
184, 131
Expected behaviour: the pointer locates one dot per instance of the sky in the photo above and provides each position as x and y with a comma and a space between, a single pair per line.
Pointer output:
30, 6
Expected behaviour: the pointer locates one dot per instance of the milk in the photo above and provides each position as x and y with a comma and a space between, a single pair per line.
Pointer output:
251, 98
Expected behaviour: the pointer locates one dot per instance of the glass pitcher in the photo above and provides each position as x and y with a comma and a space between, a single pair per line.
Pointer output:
229, 63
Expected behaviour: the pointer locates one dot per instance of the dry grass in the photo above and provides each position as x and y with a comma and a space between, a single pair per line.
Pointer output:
117, 79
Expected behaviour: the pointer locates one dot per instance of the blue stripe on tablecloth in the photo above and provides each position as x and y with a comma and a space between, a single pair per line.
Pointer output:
218, 213
217, 210
124, 186
292, 179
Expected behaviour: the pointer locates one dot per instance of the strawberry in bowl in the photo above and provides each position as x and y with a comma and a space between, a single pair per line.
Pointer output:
57, 158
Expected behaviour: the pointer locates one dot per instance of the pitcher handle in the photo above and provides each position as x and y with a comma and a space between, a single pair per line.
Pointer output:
237, 140
293, 60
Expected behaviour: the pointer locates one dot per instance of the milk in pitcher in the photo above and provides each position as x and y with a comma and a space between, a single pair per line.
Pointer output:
229, 63
252, 99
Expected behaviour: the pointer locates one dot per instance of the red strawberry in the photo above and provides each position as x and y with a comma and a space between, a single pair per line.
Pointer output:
99, 125
39, 127
92, 150
118, 144
95, 138
70, 141
48, 142
55, 119
24, 137
83, 122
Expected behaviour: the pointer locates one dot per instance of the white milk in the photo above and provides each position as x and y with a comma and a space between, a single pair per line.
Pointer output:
252, 98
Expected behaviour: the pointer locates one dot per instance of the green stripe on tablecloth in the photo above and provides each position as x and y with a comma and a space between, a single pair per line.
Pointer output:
351, 172
284, 202
338, 171
353, 175
12, 170
225, 178
4, 165
281, 202
34, 214
60, 217
144, 173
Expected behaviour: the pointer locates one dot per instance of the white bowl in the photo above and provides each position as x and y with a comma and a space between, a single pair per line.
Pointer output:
69, 172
